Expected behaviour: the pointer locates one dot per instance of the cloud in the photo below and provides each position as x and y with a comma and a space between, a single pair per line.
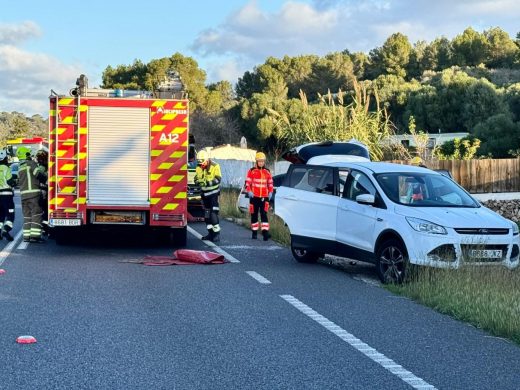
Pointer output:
26, 78
12, 34
256, 34
250, 34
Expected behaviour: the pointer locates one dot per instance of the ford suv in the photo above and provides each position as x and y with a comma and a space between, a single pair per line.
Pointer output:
391, 215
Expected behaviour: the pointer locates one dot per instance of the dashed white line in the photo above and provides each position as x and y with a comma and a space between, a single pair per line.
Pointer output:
259, 278
365, 349
212, 245
9, 248
23, 245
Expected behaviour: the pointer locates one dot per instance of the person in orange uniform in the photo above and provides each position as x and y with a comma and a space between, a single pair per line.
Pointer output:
259, 187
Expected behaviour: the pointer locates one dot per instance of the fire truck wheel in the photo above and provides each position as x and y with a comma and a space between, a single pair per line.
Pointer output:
178, 237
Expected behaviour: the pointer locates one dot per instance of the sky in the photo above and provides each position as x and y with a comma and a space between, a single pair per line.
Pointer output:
47, 45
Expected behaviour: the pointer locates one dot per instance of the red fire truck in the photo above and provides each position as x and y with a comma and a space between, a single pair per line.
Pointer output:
118, 158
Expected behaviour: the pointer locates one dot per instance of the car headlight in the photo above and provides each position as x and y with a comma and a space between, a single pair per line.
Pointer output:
515, 228
425, 226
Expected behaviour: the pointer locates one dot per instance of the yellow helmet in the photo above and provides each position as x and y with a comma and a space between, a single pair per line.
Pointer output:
416, 161
260, 156
22, 152
202, 157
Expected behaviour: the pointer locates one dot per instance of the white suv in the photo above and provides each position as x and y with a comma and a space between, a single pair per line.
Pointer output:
392, 215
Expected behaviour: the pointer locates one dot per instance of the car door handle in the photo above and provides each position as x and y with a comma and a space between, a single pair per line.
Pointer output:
380, 220
291, 197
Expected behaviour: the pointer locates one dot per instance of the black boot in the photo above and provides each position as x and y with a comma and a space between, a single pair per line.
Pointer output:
7, 236
266, 234
254, 234
209, 236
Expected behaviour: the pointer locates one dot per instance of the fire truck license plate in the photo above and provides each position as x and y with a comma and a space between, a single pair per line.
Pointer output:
65, 222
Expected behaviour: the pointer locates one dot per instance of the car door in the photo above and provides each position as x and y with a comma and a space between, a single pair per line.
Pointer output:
356, 222
308, 201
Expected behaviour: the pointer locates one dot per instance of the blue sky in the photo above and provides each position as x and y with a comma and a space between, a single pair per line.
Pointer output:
46, 45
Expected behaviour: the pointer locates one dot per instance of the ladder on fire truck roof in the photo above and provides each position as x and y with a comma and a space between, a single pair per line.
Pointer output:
67, 134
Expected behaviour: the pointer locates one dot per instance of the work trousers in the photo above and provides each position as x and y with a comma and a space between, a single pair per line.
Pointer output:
258, 205
32, 218
6, 212
211, 210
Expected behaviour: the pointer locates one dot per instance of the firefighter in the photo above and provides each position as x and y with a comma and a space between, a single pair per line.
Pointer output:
418, 162
42, 157
259, 187
30, 194
7, 182
208, 177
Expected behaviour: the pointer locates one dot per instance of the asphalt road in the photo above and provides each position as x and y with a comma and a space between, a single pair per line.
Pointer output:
265, 322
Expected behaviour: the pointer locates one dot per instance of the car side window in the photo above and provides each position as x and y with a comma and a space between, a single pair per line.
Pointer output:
358, 184
343, 176
313, 179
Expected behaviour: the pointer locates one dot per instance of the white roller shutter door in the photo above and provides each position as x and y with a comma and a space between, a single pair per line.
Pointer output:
118, 156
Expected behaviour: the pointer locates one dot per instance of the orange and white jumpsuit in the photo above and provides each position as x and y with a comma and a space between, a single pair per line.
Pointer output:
259, 181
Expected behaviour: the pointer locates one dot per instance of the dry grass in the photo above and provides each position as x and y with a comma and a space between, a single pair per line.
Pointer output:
486, 297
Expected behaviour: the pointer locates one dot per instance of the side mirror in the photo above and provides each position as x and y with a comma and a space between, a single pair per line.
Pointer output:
366, 199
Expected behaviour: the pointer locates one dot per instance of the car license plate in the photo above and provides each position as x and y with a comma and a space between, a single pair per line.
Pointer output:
65, 222
485, 253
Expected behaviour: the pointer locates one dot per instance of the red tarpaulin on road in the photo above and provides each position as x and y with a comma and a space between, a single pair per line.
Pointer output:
185, 257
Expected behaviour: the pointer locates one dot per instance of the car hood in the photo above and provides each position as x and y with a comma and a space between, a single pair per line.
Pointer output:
456, 217
304, 153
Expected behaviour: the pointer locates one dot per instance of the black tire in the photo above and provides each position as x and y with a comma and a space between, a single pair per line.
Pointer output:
178, 237
392, 264
304, 255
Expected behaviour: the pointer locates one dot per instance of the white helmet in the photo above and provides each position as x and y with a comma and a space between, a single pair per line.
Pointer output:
3, 154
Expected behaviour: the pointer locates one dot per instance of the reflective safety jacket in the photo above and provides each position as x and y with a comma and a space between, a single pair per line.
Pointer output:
5, 180
260, 182
27, 179
209, 179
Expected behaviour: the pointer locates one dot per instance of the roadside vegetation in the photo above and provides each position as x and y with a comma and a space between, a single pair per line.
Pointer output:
485, 297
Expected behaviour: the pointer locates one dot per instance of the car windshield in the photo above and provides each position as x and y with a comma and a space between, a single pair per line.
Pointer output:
424, 190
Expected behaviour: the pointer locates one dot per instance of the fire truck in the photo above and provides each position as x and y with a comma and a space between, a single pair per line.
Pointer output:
34, 143
119, 157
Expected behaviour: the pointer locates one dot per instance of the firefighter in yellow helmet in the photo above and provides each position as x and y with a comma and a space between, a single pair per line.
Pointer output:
208, 177
30, 194
259, 187
418, 162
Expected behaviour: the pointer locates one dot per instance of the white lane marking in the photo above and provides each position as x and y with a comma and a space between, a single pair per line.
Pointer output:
259, 278
216, 248
23, 245
365, 349
9, 248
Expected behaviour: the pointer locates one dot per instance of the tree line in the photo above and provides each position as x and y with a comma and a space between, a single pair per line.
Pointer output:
470, 83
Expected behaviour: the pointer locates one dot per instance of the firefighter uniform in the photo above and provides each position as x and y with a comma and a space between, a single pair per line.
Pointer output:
208, 177
42, 175
6, 198
259, 186
30, 193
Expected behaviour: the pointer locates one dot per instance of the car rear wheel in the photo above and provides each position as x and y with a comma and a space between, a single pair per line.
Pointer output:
392, 262
304, 255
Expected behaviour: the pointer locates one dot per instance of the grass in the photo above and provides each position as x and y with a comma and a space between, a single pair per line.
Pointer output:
485, 297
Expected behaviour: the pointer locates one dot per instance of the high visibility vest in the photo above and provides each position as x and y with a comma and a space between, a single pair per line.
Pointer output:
27, 180
209, 179
259, 181
5, 178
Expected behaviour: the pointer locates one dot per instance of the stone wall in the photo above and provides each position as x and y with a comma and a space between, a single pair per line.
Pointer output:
507, 208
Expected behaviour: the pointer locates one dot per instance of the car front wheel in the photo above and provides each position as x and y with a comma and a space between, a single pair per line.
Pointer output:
392, 262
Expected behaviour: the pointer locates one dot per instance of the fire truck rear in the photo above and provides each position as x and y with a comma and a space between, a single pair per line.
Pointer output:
118, 158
